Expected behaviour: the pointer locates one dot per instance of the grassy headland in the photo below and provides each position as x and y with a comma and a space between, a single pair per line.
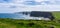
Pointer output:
15, 23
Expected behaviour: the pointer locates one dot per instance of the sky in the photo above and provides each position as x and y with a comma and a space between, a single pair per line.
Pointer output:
12, 6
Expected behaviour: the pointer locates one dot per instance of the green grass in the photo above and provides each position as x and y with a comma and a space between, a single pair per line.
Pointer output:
56, 14
12, 23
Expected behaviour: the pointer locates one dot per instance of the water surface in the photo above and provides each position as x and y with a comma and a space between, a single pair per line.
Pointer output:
8, 15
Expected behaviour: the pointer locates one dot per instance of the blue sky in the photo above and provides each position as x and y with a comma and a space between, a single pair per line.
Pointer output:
11, 6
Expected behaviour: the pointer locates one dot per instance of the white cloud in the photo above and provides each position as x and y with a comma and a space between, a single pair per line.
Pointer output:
39, 0
17, 6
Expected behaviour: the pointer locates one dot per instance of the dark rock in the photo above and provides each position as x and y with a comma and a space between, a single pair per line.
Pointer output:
51, 27
42, 14
21, 23
31, 24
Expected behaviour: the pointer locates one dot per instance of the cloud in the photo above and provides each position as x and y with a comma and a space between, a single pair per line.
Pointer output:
39, 0
24, 5
42, 2
5, 1
31, 3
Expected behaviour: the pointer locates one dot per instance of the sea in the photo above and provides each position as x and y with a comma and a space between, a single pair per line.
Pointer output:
18, 16
12, 15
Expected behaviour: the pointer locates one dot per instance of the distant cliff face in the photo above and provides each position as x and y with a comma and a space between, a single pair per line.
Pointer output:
37, 14
42, 14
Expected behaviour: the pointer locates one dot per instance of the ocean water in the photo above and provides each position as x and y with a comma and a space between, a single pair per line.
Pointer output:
9, 15
18, 16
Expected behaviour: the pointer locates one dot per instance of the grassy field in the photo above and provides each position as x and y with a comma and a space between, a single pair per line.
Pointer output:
56, 14
15, 23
